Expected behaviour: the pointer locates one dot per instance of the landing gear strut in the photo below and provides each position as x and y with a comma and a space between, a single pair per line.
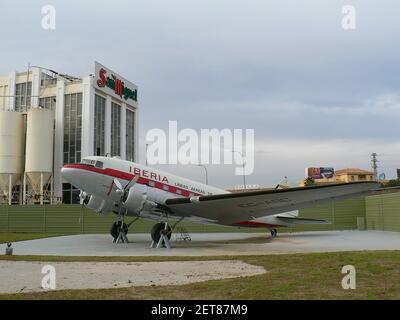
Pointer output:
161, 234
119, 230
274, 232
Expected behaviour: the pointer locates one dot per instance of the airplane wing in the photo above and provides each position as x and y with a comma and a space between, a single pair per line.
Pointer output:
233, 208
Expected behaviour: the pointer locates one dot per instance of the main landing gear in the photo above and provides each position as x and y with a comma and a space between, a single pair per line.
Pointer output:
161, 234
274, 232
119, 230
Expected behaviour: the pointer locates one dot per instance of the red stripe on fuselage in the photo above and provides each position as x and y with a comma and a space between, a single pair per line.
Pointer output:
128, 177
257, 224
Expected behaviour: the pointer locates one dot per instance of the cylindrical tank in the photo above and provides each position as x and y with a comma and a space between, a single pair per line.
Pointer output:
11, 149
39, 147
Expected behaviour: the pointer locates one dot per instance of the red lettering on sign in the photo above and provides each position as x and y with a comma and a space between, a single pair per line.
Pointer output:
102, 81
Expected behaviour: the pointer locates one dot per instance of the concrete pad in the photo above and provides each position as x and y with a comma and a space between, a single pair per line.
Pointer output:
25, 276
212, 244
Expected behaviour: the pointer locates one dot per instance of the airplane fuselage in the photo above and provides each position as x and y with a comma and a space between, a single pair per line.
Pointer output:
95, 176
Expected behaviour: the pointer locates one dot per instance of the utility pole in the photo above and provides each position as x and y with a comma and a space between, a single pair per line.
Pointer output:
374, 165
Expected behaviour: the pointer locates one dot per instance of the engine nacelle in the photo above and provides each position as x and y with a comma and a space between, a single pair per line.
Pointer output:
144, 198
97, 204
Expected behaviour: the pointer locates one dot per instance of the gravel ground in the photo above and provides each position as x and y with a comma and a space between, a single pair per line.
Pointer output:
23, 276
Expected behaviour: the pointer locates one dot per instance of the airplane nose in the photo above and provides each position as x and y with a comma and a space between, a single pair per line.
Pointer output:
76, 176
71, 175
66, 173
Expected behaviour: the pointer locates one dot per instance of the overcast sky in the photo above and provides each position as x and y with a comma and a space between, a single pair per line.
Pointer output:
315, 93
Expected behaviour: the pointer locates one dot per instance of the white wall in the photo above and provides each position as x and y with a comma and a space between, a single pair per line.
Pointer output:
59, 139
88, 117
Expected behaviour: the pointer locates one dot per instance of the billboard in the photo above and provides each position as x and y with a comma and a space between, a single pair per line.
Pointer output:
320, 173
114, 85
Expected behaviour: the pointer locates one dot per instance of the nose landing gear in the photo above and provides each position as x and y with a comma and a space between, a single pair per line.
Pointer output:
274, 232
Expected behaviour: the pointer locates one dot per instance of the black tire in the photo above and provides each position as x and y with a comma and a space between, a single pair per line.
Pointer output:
157, 229
274, 232
116, 227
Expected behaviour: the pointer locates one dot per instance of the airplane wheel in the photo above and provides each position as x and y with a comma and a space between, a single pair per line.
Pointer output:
274, 232
157, 230
116, 227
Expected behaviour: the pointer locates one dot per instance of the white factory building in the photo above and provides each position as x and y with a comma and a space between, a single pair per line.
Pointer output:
48, 119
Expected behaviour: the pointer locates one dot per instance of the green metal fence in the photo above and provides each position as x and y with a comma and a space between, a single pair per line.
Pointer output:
74, 219
342, 215
383, 212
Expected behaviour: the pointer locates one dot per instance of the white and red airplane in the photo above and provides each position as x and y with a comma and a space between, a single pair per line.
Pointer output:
129, 189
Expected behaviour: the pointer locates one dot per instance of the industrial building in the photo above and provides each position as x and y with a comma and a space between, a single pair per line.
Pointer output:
48, 119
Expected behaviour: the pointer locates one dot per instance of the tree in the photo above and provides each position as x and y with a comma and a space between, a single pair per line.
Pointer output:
309, 182
391, 183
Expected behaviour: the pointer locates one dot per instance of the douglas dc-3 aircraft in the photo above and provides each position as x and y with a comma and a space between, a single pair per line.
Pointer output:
129, 189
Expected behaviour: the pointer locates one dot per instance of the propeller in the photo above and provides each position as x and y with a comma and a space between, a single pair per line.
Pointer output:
123, 191
83, 197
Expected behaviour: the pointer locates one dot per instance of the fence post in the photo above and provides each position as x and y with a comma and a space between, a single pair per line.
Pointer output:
381, 210
8, 219
45, 219
82, 220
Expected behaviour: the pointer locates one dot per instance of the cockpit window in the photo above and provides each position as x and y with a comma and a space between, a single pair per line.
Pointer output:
89, 162
99, 164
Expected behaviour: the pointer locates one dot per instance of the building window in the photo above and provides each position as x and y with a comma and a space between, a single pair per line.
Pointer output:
48, 103
70, 194
99, 125
3, 94
115, 130
23, 94
130, 135
72, 128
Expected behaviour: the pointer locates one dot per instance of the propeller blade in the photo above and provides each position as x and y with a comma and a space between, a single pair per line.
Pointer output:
82, 196
118, 184
132, 182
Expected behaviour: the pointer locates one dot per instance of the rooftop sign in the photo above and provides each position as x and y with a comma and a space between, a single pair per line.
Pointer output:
113, 84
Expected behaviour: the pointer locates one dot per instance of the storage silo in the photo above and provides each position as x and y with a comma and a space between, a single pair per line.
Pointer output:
11, 152
39, 149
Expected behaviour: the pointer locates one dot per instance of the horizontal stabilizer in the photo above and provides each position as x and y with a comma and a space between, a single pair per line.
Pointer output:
296, 220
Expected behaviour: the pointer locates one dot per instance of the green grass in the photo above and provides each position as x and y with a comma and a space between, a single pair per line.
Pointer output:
292, 276
14, 237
